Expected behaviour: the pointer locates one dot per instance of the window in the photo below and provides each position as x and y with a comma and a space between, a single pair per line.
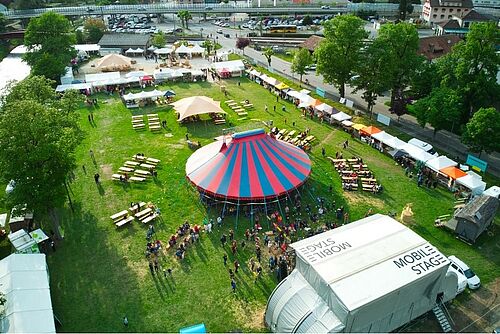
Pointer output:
443, 10
442, 16
449, 16
451, 10
434, 16
459, 10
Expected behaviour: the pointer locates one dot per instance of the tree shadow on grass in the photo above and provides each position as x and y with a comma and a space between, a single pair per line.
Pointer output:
87, 272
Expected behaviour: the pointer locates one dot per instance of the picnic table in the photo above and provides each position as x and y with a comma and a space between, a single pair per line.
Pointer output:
141, 172
148, 166
358, 166
349, 178
138, 117
282, 131
352, 160
310, 138
131, 163
292, 133
348, 172
125, 169
144, 212
368, 180
137, 179
136, 207
139, 157
152, 160
119, 215
229, 101
152, 115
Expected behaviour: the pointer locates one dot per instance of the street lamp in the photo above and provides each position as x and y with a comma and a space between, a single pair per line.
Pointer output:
201, 32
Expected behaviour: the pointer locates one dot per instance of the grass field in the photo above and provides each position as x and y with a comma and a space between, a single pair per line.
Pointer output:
99, 273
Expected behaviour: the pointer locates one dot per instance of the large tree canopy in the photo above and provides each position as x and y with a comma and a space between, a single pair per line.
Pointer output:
49, 39
399, 43
339, 55
471, 69
482, 133
94, 29
301, 60
39, 134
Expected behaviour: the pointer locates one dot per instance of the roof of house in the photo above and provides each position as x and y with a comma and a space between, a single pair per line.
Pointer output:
479, 210
124, 40
450, 24
475, 16
433, 47
464, 3
312, 42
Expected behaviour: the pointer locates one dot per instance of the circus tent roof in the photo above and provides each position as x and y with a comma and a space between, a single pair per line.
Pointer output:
251, 166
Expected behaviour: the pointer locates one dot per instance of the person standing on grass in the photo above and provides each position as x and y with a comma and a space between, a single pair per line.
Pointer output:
223, 240
151, 268
266, 108
125, 321
233, 285
224, 257
323, 152
219, 221
236, 266
231, 235
96, 178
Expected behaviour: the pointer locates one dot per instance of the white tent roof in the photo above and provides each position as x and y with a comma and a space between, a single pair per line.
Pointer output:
135, 74
143, 95
361, 262
417, 153
476, 185
305, 91
102, 76
130, 50
341, 116
395, 143
139, 50
12, 67
255, 72
324, 108
163, 51
347, 123
197, 49
87, 47
436, 164
493, 191
232, 65
196, 105
78, 86
382, 136
22, 241
183, 49
25, 283
294, 94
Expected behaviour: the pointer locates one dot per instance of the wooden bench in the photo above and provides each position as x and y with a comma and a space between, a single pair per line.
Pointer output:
137, 179
368, 181
137, 207
219, 121
148, 166
335, 161
138, 117
125, 221
119, 215
229, 101
368, 187
129, 163
142, 213
139, 126
152, 115
154, 127
242, 113
137, 121
125, 170
140, 172
239, 110
248, 106
152, 161
149, 218
154, 124
235, 106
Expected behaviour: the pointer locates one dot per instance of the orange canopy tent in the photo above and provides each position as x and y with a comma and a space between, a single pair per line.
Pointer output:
316, 102
370, 130
453, 172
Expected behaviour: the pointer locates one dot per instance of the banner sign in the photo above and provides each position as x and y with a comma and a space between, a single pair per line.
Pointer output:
473, 161
383, 119
320, 92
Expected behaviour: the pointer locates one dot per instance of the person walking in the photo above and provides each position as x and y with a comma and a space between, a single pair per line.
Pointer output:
236, 266
266, 108
323, 152
223, 240
233, 285
96, 178
125, 321
224, 257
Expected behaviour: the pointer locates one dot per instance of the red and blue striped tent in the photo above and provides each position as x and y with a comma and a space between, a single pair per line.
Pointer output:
250, 166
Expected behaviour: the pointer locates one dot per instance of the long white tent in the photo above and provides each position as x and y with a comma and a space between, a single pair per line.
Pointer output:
440, 162
25, 282
417, 153
341, 116
144, 95
472, 182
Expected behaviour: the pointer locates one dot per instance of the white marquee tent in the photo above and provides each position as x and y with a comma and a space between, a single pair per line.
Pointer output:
382, 136
143, 95
417, 153
395, 143
373, 275
341, 116
324, 108
472, 182
436, 164
24, 281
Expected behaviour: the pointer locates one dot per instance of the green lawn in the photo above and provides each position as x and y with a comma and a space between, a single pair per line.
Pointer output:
98, 273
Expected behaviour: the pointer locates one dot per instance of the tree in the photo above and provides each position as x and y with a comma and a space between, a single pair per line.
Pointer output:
399, 45
424, 80
307, 20
39, 137
49, 40
94, 29
208, 45
242, 43
404, 8
268, 53
301, 60
3, 23
370, 77
159, 40
184, 16
441, 109
471, 68
482, 132
339, 55
28, 4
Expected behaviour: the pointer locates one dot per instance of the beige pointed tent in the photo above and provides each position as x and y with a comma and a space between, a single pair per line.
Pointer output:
196, 105
113, 61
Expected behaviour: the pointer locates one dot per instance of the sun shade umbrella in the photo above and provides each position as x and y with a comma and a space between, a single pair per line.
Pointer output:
252, 166
196, 105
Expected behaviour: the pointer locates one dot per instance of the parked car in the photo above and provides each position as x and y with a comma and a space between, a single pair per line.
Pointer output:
462, 280
473, 282
311, 67
209, 8
325, 7
219, 31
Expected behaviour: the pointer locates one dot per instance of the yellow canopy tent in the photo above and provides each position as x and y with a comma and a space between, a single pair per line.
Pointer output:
281, 86
358, 126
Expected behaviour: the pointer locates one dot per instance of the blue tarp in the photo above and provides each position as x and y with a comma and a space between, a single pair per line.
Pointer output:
199, 328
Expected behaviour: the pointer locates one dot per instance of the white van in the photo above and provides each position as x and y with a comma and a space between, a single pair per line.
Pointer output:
462, 280
472, 280
423, 145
